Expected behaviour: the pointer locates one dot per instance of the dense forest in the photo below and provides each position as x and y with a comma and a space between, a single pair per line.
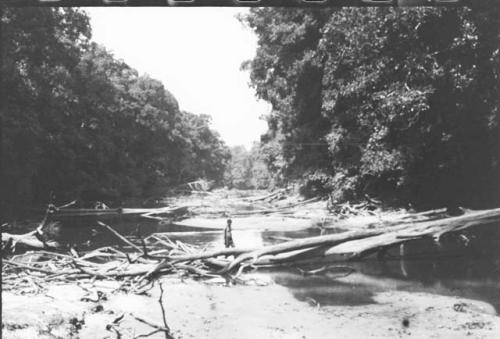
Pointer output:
398, 104
248, 170
79, 123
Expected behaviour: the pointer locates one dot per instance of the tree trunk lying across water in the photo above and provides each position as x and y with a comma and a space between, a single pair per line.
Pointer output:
351, 244
159, 255
356, 244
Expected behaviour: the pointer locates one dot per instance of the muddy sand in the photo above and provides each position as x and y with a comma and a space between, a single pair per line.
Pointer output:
259, 310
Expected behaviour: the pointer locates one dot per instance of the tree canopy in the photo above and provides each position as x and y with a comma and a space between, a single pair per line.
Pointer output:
248, 170
401, 104
79, 122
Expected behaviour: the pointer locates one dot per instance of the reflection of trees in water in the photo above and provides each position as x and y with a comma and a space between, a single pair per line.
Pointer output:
323, 289
450, 268
86, 234
471, 255
427, 276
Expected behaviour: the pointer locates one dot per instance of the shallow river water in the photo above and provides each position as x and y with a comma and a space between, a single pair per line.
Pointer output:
452, 268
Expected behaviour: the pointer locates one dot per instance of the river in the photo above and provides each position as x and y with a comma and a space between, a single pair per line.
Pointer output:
451, 269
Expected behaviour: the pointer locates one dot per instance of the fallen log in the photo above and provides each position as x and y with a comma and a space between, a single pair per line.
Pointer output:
29, 240
290, 257
331, 240
413, 231
31, 268
360, 243
147, 263
209, 254
267, 196
151, 213
33, 239
287, 209
125, 240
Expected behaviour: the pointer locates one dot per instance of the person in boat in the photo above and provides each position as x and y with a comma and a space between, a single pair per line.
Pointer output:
228, 235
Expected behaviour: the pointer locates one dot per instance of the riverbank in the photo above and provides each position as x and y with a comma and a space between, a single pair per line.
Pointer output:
262, 309
98, 293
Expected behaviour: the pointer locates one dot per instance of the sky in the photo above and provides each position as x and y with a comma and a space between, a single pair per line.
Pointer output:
197, 54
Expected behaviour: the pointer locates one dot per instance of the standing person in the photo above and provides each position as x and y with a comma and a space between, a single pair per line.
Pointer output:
228, 235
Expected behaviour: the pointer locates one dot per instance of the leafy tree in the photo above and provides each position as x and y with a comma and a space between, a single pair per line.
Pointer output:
239, 171
247, 169
205, 155
81, 124
398, 103
41, 46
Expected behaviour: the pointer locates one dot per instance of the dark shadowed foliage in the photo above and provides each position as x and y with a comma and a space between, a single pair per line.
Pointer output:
84, 125
248, 170
401, 104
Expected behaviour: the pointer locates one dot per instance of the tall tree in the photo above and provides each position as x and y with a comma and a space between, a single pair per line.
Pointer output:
400, 103
81, 124
247, 169
40, 48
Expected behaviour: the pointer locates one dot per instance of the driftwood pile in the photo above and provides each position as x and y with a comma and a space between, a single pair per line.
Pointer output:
275, 195
219, 205
135, 266
139, 264
283, 210
369, 206
194, 187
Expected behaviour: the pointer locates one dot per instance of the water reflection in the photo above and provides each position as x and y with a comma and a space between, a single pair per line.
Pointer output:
373, 277
471, 271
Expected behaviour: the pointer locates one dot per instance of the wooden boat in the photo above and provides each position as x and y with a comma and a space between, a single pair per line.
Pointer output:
110, 213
